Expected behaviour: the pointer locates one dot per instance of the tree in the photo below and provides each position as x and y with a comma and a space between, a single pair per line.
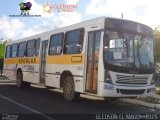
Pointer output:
3, 43
2, 46
157, 43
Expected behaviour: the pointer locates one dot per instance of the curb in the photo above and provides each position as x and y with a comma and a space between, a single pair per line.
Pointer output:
7, 81
155, 96
2, 77
137, 102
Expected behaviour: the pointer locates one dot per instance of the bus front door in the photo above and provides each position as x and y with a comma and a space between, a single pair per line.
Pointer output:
92, 61
44, 50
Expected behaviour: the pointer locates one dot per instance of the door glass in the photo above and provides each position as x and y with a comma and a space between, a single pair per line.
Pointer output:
43, 60
92, 61
95, 62
89, 61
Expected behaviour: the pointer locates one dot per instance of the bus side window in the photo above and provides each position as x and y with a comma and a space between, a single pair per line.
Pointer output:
56, 44
22, 49
74, 41
30, 48
14, 50
37, 46
8, 51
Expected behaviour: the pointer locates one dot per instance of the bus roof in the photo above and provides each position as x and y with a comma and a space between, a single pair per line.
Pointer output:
62, 29
67, 28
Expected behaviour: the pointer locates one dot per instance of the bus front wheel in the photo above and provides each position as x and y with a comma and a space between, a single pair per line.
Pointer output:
69, 90
20, 82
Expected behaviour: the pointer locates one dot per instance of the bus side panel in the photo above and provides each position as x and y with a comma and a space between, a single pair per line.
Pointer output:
56, 65
52, 75
10, 68
30, 72
29, 67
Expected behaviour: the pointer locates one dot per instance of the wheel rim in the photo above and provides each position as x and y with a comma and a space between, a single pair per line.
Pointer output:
69, 89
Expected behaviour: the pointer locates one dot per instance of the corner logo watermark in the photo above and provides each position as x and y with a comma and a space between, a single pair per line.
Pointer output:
25, 7
48, 8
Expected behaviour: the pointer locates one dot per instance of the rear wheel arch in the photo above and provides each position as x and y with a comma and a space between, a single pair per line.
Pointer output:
68, 84
20, 82
63, 77
19, 70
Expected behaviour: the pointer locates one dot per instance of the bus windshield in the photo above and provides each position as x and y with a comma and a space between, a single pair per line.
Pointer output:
128, 44
129, 50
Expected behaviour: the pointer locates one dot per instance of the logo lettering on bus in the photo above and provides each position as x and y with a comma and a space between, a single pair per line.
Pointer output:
27, 60
108, 87
30, 67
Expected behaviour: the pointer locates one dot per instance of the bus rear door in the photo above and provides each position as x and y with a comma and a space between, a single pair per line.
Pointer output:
44, 50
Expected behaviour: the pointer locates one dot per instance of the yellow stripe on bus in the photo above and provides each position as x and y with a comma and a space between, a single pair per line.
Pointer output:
65, 59
25, 60
55, 59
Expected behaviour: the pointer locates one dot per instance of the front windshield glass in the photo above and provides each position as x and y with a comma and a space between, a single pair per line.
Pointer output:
128, 49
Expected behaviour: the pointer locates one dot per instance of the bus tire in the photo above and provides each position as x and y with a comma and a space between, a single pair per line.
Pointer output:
27, 84
69, 90
110, 99
20, 82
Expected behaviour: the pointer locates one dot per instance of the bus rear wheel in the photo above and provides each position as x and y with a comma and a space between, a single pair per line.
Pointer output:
69, 90
20, 82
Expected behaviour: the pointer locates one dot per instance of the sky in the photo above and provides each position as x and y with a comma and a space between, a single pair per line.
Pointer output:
143, 11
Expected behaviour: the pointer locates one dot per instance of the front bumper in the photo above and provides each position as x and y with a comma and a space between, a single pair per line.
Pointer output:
111, 90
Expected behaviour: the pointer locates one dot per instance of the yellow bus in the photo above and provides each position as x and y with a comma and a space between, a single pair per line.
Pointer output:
105, 57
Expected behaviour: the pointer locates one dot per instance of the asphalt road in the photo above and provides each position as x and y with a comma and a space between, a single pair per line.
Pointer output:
48, 104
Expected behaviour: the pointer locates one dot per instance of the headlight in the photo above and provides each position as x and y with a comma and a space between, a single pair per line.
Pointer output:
107, 78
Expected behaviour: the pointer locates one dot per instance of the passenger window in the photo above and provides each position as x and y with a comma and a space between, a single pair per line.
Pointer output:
14, 50
56, 44
30, 48
74, 41
8, 51
22, 49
